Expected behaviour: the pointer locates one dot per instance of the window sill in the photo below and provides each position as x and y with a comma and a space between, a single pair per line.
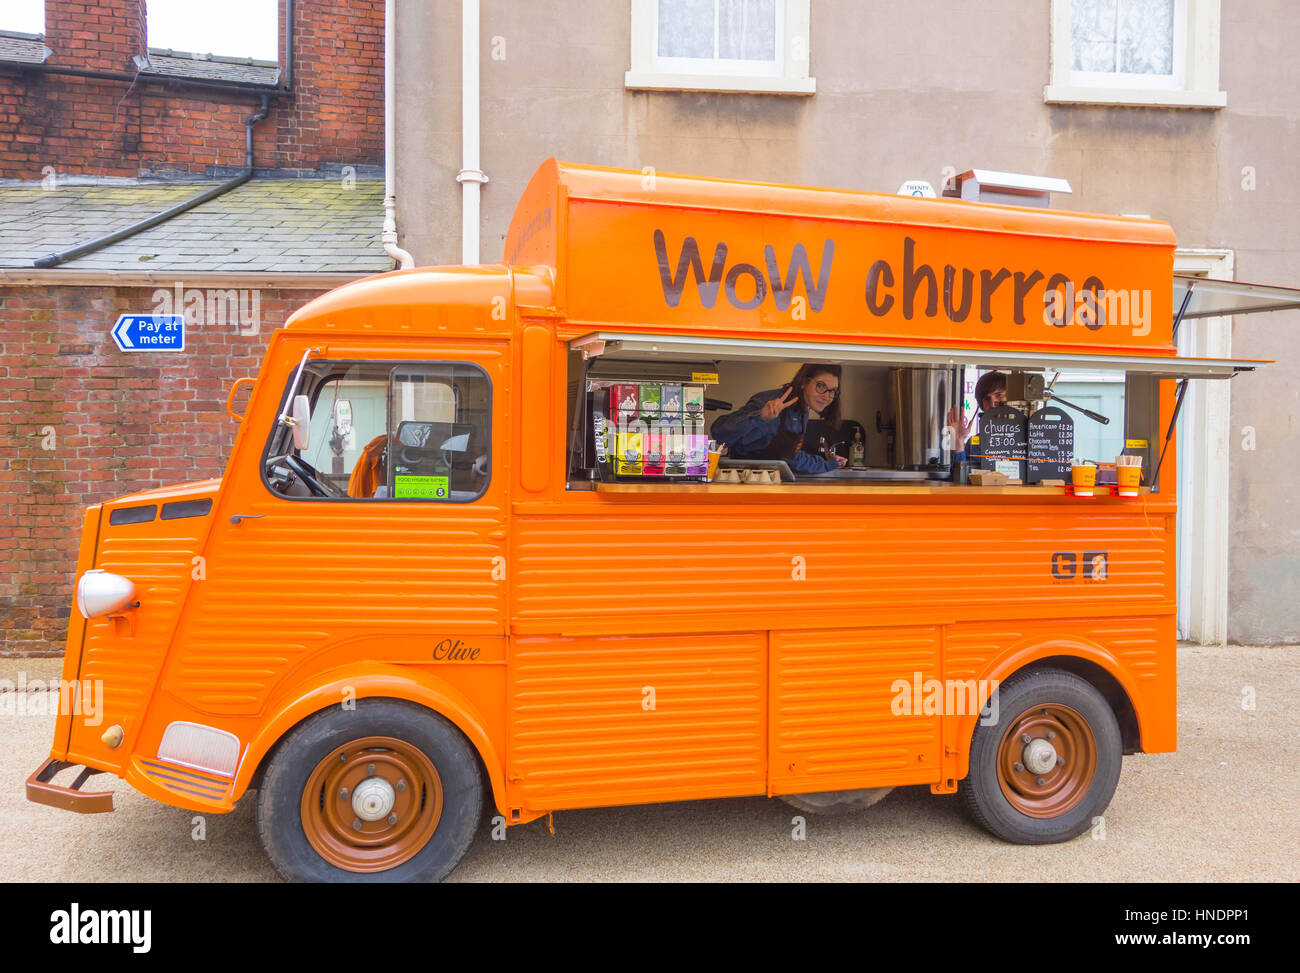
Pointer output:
744, 84
1139, 97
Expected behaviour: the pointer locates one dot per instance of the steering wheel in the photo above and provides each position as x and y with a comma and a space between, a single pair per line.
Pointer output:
413, 456
307, 473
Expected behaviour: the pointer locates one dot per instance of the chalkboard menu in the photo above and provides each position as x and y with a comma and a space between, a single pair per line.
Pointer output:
1051, 445
1004, 439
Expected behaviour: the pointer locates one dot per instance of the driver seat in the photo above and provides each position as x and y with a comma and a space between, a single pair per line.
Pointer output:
370, 473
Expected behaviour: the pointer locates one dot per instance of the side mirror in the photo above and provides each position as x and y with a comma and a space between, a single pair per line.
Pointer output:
301, 421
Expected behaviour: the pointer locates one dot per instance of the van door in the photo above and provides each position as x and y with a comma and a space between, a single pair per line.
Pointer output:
382, 536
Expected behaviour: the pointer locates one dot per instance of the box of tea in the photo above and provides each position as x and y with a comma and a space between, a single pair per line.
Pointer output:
653, 460
670, 404
675, 444
630, 442
697, 450
693, 399
623, 401
650, 398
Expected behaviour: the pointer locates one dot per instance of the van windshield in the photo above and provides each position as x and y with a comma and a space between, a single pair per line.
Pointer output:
387, 431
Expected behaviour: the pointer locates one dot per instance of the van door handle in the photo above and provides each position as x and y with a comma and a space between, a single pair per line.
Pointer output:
236, 518
497, 535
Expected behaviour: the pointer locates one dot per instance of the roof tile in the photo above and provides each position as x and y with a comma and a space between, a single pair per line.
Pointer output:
308, 226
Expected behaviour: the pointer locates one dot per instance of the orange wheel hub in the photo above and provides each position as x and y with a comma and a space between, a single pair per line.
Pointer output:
371, 804
1047, 761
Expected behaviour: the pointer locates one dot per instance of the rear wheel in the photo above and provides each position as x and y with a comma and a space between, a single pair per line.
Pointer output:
1049, 765
386, 792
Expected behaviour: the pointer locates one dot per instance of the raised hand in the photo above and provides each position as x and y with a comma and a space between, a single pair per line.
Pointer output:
961, 428
774, 407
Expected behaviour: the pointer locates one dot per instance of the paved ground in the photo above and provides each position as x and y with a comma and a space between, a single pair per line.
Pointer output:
1225, 807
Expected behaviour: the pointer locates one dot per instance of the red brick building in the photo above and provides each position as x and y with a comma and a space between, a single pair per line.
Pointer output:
185, 113
97, 133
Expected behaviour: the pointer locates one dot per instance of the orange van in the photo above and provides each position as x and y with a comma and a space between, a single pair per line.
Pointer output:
474, 551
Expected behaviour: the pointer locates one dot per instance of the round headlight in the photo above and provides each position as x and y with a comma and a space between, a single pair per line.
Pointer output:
102, 593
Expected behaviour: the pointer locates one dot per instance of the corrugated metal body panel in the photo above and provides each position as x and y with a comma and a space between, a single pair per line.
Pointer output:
700, 563
1134, 641
832, 715
598, 721
157, 557
971, 647
1148, 648
310, 575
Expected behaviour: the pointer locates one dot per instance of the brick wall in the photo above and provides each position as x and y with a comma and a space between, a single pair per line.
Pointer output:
119, 423
109, 128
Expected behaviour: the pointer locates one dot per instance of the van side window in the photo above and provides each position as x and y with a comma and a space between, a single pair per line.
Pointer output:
393, 431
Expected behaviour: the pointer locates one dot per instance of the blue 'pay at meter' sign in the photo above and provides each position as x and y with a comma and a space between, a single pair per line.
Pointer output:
150, 332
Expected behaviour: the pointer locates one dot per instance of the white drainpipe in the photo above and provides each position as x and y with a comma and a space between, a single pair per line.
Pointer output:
389, 237
470, 177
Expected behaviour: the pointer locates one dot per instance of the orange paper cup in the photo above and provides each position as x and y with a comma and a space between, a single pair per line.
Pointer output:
1085, 478
1128, 478
713, 464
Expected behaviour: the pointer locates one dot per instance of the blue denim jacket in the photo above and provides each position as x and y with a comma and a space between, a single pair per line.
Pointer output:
748, 435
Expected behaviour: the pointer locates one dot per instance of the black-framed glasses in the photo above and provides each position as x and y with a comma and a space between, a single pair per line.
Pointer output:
824, 389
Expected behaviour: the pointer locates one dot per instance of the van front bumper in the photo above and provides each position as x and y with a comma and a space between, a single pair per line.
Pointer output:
41, 791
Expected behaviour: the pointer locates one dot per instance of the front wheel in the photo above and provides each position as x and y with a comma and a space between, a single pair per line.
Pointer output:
385, 792
1049, 765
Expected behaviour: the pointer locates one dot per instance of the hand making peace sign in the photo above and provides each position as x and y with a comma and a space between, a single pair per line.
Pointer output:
775, 407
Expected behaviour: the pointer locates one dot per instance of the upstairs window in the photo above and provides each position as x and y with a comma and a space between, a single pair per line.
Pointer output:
721, 45
718, 36
1136, 52
1134, 43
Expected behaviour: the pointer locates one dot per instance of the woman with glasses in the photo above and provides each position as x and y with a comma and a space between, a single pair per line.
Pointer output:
771, 424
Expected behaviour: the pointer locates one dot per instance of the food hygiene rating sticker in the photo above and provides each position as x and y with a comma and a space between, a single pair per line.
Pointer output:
421, 487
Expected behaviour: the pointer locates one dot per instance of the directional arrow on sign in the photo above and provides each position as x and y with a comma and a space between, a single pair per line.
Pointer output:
120, 333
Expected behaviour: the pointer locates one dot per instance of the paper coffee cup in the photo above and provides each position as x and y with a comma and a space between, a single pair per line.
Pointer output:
1084, 478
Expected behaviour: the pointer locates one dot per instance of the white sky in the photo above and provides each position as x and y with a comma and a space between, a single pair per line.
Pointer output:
244, 28
240, 28
27, 16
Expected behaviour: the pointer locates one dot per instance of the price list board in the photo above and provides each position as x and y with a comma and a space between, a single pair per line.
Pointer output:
1051, 445
1004, 441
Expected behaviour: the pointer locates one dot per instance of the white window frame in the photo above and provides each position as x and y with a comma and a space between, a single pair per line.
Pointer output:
787, 75
1194, 83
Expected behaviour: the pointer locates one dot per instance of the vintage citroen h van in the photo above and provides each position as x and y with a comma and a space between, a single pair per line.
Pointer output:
469, 557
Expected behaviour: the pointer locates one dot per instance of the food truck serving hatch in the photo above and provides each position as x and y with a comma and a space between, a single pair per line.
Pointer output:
612, 345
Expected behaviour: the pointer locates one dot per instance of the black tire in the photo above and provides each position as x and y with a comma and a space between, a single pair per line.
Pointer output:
280, 800
1036, 697
835, 803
